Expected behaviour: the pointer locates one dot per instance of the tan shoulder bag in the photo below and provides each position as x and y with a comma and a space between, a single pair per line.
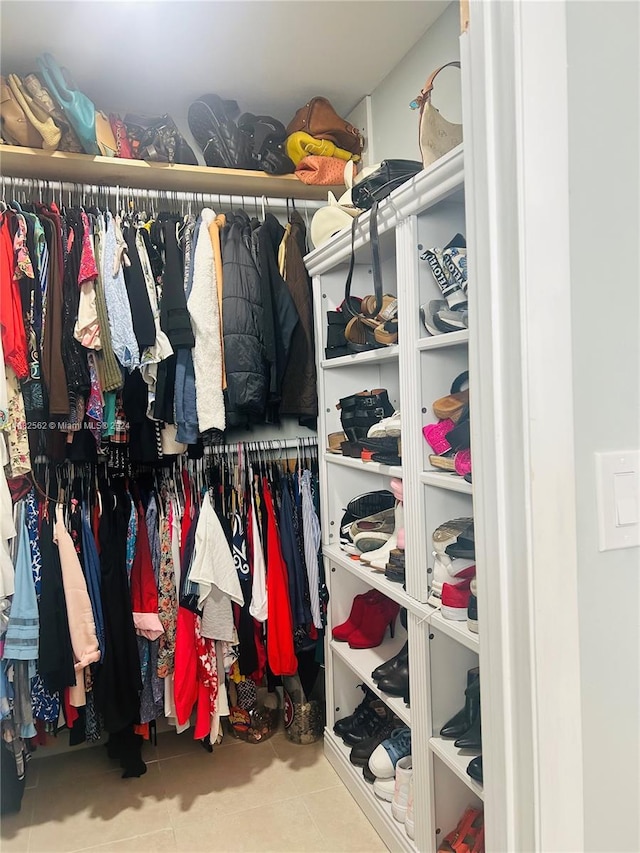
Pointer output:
437, 135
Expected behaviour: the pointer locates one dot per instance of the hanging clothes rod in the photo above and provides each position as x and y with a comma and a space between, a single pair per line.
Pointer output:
262, 446
122, 195
247, 447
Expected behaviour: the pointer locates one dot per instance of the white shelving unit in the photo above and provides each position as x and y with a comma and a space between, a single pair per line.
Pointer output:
426, 211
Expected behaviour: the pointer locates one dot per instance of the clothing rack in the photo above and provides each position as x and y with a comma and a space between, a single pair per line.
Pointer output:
124, 196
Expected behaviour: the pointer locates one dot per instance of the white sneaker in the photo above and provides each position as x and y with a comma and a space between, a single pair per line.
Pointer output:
404, 772
381, 555
409, 825
386, 428
448, 570
384, 789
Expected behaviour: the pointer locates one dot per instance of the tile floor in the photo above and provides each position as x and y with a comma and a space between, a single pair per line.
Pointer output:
274, 796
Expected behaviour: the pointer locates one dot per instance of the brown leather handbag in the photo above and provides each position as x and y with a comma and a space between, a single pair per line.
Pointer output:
319, 119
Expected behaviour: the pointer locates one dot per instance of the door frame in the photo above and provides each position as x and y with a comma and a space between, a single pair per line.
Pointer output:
517, 190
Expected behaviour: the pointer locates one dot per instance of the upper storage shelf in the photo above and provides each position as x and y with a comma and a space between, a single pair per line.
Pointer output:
16, 162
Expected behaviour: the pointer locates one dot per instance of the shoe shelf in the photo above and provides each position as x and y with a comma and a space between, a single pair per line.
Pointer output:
377, 811
359, 465
456, 760
363, 661
17, 162
445, 480
456, 630
374, 356
377, 580
451, 339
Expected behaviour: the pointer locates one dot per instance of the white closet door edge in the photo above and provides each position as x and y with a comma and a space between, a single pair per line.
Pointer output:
516, 144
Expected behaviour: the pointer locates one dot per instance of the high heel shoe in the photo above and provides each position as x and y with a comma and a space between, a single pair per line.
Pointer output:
374, 624
342, 632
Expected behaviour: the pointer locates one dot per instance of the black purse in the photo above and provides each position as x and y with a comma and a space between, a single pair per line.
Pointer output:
157, 139
382, 182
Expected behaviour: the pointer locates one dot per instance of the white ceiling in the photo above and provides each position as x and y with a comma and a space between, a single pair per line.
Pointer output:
271, 56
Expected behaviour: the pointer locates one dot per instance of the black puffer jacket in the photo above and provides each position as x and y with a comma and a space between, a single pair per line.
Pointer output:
243, 327
280, 314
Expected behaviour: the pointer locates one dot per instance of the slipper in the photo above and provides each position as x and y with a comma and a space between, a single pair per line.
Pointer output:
360, 336
460, 436
459, 463
436, 435
388, 309
387, 333
335, 439
453, 404
443, 463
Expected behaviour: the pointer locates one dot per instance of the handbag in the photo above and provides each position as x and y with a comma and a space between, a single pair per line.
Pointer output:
381, 183
318, 118
157, 139
46, 127
69, 140
320, 171
267, 136
78, 108
16, 127
300, 145
436, 134
373, 321
123, 147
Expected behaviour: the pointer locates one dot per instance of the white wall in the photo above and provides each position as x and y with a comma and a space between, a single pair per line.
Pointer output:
603, 80
395, 125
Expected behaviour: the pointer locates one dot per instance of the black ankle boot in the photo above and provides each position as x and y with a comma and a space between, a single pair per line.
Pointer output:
463, 720
397, 682
475, 769
472, 738
393, 663
346, 723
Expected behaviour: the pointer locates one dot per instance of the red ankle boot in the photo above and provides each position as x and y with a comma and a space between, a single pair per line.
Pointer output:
360, 603
374, 622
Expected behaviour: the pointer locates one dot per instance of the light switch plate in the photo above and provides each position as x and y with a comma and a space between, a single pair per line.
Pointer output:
618, 486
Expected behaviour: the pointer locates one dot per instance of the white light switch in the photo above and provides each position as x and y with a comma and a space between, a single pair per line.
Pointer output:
618, 480
625, 487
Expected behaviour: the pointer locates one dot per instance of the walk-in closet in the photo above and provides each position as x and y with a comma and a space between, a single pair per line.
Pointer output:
308, 493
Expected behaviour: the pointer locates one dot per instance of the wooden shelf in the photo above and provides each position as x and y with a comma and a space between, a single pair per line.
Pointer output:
445, 480
378, 580
458, 631
359, 465
374, 356
16, 162
456, 760
362, 662
450, 339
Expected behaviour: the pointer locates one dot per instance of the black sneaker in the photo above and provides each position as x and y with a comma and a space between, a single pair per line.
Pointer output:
368, 725
361, 753
346, 723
